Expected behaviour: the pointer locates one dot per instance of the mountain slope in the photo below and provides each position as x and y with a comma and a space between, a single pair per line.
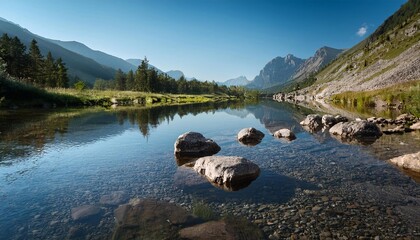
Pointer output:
100, 57
391, 55
85, 68
277, 71
239, 81
175, 74
322, 57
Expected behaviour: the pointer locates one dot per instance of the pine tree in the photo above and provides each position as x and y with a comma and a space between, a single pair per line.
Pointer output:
120, 80
129, 84
49, 71
36, 64
13, 53
141, 82
61, 74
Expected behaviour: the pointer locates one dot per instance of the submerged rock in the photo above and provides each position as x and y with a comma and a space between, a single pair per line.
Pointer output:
285, 133
150, 219
362, 131
250, 136
84, 212
230, 172
114, 198
408, 161
194, 145
313, 122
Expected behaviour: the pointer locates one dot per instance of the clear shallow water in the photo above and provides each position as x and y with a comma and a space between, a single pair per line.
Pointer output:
51, 162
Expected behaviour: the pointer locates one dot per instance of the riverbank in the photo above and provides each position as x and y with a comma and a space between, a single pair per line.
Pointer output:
14, 94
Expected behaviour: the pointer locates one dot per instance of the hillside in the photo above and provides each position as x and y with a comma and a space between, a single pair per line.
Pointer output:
390, 56
100, 57
85, 68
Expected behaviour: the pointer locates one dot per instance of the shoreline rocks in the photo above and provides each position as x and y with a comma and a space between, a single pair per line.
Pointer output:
362, 131
409, 162
250, 136
313, 122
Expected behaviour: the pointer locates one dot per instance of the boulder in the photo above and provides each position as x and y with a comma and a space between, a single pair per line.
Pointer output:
250, 136
313, 122
362, 131
84, 212
285, 133
150, 219
194, 145
339, 118
408, 161
230, 172
415, 126
329, 120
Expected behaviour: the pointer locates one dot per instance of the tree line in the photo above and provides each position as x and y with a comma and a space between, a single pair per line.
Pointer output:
31, 67
146, 79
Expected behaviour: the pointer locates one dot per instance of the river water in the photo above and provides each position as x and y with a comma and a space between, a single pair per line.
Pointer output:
314, 186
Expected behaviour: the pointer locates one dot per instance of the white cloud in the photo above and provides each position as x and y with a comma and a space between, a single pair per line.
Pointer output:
362, 31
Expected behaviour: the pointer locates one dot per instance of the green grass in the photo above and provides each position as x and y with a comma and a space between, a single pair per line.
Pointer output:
407, 93
13, 93
16, 94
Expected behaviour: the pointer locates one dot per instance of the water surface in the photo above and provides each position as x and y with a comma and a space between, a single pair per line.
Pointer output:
51, 162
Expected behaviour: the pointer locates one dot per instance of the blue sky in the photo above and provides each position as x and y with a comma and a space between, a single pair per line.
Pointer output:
206, 39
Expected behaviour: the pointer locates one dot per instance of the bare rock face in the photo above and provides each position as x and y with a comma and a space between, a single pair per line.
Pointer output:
233, 173
362, 131
250, 136
84, 212
408, 161
150, 219
285, 133
313, 122
194, 145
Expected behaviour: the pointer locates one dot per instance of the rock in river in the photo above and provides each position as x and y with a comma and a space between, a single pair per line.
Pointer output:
150, 219
231, 172
285, 133
84, 212
362, 131
250, 136
313, 122
194, 145
114, 198
408, 161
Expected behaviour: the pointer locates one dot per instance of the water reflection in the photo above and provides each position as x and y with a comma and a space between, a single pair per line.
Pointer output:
24, 132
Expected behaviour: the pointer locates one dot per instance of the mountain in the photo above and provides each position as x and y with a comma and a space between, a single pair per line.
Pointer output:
239, 81
85, 68
389, 56
100, 57
175, 74
277, 71
322, 57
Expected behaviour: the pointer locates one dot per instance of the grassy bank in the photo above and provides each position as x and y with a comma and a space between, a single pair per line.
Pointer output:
16, 94
405, 96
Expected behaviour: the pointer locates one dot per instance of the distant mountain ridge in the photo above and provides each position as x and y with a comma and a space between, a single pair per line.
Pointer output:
277, 71
78, 65
281, 71
239, 81
100, 57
